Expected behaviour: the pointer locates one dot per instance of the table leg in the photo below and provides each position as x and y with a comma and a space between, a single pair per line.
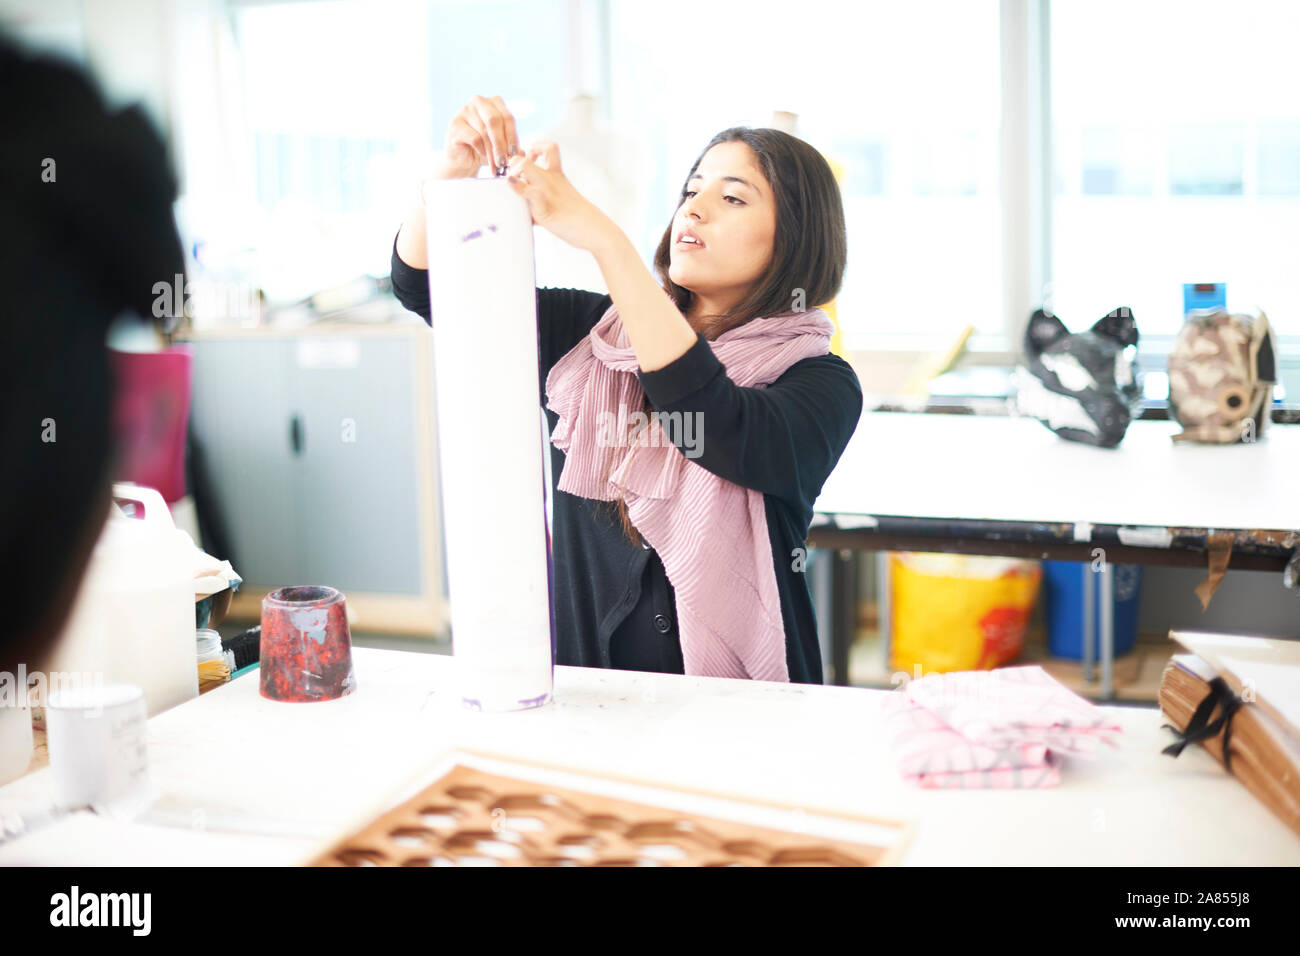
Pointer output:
1089, 591
843, 573
1107, 630
819, 567
884, 605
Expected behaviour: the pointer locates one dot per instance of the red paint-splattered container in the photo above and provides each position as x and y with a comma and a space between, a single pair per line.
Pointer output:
306, 649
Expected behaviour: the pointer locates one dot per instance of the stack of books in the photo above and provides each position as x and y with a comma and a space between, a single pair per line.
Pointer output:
1245, 691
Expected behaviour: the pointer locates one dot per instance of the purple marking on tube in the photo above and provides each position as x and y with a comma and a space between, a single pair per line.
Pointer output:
534, 701
477, 233
492, 226
471, 703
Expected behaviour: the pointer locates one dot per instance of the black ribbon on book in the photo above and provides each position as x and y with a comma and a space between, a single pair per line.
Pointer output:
1200, 727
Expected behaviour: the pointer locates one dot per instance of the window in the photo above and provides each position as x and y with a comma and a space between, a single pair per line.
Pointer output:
344, 100
904, 97
1177, 145
992, 154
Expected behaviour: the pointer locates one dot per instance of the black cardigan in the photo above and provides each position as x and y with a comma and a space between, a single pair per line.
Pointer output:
612, 599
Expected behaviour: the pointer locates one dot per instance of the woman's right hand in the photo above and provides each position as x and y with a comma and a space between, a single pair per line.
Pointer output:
481, 134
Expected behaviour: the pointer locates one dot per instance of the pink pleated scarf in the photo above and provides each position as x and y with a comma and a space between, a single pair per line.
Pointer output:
711, 534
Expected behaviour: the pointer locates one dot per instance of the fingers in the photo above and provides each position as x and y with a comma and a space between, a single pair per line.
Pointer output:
528, 192
545, 154
523, 167
466, 128
485, 126
520, 186
493, 116
512, 135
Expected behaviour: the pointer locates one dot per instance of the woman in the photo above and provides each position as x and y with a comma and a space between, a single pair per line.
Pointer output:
679, 545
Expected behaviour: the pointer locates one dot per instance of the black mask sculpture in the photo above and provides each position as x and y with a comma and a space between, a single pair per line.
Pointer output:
1083, 386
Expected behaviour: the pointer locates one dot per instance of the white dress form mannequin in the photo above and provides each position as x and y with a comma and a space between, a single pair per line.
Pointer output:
785, 121
788, 122
611, 171
607, 169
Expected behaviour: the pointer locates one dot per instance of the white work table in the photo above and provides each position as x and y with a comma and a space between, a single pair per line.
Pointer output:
247, 780
998, 484
1001, 468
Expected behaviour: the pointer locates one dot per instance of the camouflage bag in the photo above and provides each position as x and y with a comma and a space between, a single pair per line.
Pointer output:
1221, 376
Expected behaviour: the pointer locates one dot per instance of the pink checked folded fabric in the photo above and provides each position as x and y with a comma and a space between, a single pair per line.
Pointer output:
999, 729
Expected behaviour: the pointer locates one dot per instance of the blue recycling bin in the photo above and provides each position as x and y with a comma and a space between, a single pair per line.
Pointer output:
1063, 607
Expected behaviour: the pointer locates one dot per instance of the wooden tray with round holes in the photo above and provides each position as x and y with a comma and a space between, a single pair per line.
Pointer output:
469, 816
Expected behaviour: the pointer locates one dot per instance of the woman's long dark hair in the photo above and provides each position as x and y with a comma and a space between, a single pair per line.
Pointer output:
809, 246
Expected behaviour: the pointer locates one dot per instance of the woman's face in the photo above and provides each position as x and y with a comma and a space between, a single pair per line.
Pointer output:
731, 212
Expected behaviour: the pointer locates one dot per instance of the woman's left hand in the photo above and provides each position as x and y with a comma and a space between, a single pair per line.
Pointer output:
553, 201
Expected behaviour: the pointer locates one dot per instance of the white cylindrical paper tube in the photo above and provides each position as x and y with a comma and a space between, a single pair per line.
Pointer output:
482, 295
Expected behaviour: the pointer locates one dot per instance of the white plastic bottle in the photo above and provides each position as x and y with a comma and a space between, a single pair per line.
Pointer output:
133, 621
15, 736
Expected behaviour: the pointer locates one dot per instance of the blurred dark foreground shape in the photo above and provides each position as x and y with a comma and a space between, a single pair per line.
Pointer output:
86, 197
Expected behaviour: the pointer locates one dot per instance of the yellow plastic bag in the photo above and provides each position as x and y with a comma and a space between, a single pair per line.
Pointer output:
956, 612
